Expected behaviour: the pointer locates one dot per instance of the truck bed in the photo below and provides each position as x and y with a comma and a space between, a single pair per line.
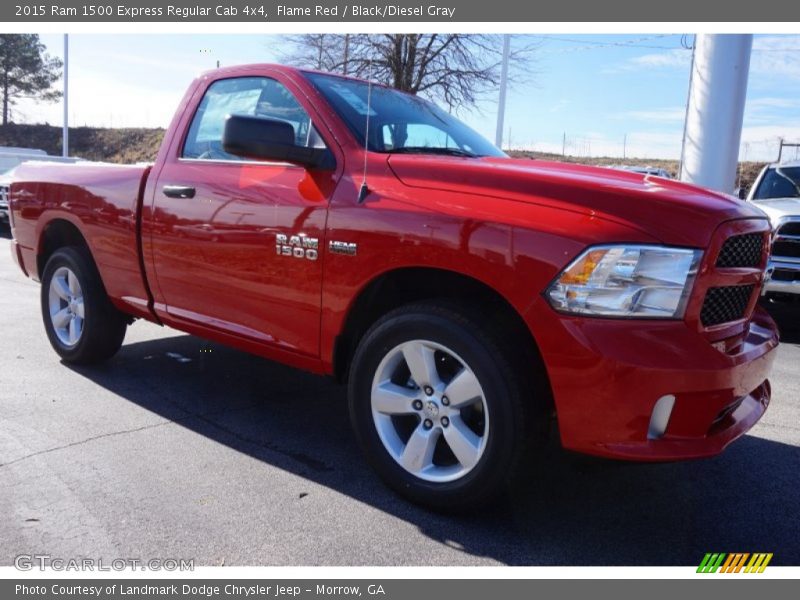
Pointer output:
104, 202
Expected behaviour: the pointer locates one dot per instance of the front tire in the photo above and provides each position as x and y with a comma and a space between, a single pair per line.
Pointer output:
437, 407
81, 323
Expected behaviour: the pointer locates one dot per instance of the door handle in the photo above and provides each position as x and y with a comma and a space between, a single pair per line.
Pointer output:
178, 191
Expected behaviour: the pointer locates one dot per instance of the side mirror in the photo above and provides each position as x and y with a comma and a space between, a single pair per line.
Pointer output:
269, 139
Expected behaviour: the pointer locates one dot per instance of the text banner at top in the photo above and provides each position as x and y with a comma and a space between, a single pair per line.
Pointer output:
464, 11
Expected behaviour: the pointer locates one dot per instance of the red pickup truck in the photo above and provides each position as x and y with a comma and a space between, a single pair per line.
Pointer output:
466, 298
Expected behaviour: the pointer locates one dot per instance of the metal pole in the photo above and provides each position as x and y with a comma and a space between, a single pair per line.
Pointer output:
501, 103
716, 110
65, 133
686, 112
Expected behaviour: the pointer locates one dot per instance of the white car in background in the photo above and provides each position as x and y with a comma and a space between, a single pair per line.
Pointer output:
10, 158
776, 191
5, 185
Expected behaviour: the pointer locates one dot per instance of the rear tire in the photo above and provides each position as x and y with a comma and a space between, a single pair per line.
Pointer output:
437, 407
81, 323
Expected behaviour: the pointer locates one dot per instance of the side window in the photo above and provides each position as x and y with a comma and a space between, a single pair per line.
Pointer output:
254, 96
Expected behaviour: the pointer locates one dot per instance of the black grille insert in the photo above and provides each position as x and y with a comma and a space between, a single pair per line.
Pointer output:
791, 228
785, 275
786, 248
741, 251
725, 304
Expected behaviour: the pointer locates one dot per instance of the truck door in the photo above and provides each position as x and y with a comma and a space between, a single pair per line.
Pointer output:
237, 244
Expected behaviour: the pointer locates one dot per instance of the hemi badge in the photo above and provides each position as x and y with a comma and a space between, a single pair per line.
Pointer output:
346, 248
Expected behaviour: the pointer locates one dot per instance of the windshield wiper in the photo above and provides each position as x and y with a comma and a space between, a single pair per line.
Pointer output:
432, 150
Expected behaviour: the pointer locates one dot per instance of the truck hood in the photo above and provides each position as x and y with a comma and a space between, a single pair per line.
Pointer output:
777, 208
671, 211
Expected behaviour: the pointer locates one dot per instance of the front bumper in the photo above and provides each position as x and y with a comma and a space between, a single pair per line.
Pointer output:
607, 376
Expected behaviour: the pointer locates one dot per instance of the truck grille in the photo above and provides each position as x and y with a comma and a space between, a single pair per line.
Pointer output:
786, 275
787, 241
786, 249
725, 304
741, 251
790, 228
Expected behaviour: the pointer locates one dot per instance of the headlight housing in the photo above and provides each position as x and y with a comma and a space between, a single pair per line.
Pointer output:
633, 281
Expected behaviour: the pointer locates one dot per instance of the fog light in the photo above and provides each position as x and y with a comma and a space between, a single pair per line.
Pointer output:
659, 419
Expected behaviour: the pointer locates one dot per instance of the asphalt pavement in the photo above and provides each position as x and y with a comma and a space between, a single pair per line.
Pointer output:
181, 448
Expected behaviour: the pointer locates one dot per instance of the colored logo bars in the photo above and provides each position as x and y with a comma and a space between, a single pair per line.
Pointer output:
734, 562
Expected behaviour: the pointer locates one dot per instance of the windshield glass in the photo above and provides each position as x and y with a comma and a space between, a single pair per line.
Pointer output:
779, 182
399, 122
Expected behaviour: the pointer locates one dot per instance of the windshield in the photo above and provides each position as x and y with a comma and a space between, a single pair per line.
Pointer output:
399, 122
779, 182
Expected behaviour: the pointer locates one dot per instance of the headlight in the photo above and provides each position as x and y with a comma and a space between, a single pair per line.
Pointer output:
647, 282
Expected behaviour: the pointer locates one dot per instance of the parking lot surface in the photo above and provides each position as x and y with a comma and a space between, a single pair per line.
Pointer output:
180, 448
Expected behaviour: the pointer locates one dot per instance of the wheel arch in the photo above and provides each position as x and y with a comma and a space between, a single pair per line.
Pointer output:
406, 285
59, 233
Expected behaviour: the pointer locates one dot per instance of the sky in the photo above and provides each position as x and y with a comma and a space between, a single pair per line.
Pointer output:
595, 95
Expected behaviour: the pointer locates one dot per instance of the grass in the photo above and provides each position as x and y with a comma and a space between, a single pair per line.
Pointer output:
127, 145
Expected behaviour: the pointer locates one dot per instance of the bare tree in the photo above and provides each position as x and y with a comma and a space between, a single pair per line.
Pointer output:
458, 69
320, 51
26, 71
